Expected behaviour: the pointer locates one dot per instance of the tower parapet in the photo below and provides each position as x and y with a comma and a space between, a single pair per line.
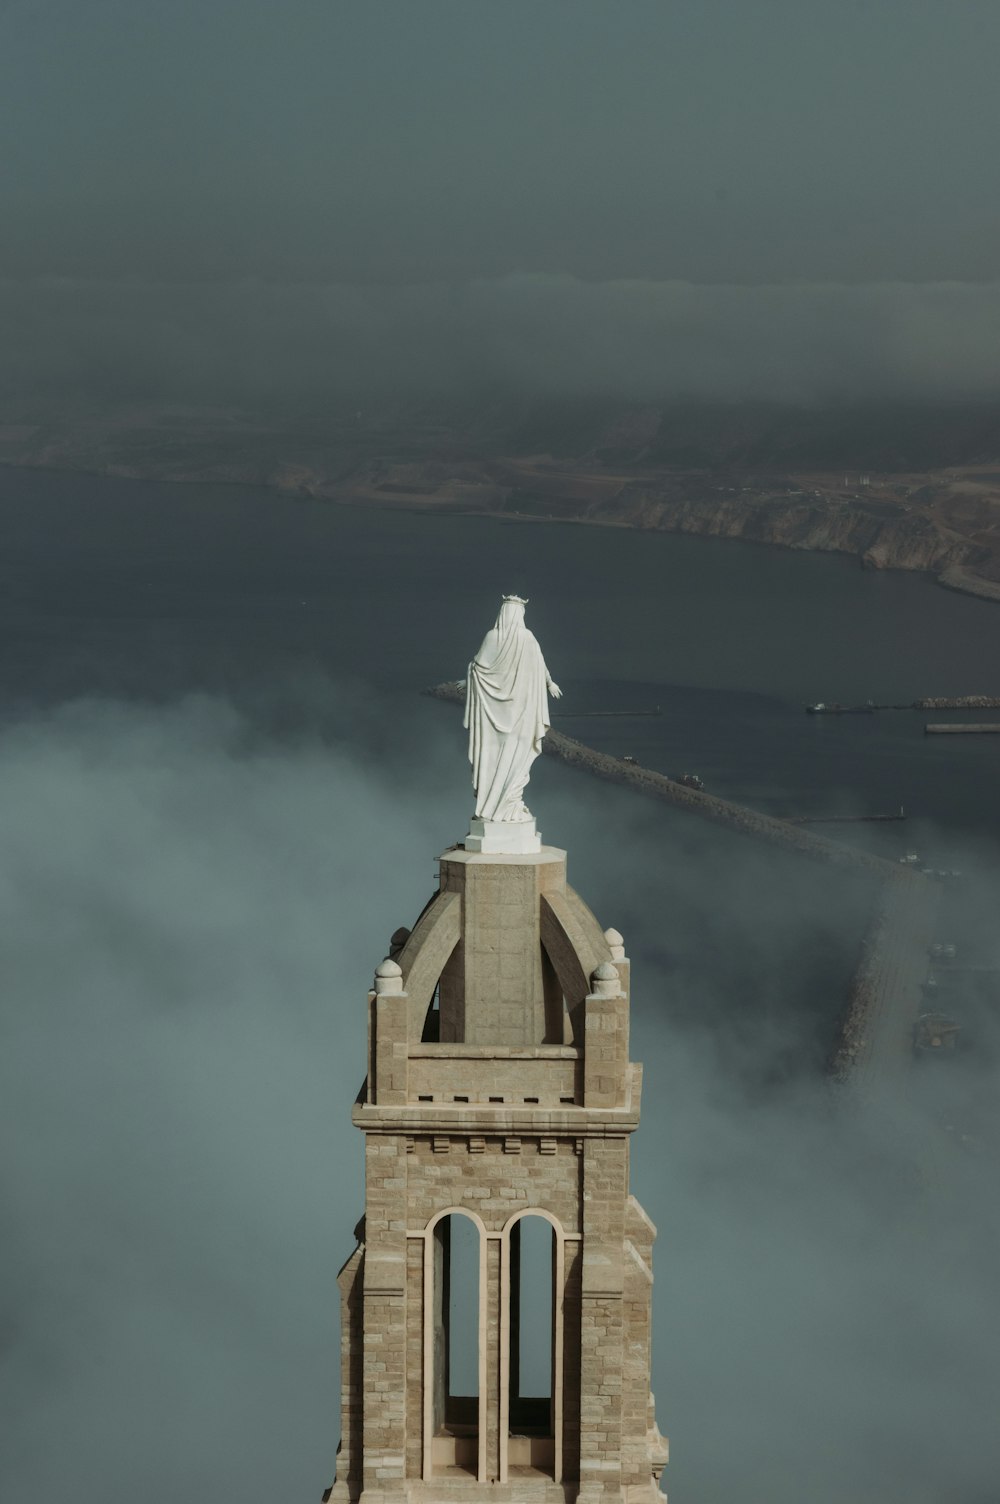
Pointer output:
499, 1100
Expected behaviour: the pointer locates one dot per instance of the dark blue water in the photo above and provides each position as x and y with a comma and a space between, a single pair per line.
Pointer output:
145, 590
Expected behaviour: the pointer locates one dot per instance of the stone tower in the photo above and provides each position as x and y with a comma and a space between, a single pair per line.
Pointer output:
499, 1102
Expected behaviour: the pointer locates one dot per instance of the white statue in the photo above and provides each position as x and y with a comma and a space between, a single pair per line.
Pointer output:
507, 714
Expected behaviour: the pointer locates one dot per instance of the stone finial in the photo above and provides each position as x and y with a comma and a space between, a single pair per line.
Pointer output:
396, 942
388, 978
605, 981
615, 944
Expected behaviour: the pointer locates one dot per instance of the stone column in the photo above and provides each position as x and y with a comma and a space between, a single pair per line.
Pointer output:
492, 1295
350, 1281
605, 1188
384, 1317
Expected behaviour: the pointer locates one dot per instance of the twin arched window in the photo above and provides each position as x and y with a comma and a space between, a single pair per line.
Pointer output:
526, 1355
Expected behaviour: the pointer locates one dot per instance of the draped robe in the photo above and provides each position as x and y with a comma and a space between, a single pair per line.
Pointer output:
506, 713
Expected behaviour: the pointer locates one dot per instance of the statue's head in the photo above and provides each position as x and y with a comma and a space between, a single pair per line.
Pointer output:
511, 612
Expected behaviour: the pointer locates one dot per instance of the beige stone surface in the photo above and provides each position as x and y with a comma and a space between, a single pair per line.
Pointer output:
514, 1098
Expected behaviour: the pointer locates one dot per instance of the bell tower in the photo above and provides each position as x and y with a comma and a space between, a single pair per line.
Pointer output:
497, 1114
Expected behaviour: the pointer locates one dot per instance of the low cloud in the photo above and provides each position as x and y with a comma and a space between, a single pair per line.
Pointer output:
193, 904
554, 336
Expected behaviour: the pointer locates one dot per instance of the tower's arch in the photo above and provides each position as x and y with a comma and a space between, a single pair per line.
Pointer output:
454, 1299
532, 1307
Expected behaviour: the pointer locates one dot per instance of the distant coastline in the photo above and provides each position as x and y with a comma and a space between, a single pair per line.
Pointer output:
945, 522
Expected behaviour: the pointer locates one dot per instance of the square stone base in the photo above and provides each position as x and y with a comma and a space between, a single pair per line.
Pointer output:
518, 837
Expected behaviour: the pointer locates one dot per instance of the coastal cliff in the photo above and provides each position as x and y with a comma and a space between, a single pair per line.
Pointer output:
787, 479
896, 541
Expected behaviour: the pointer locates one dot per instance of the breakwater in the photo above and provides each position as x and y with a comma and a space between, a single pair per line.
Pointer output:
885, 999
722, 811
873, 1037
966, 728
959, 702
938, 702
844, 819
586, 715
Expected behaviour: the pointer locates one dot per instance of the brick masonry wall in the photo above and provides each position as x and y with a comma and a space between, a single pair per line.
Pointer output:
512, 1081
349, 1457
501, 1177
583, 1183
495, 1122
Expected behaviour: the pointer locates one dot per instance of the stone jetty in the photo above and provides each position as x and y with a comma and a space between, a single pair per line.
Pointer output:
874, 1038
885, 998
722, 811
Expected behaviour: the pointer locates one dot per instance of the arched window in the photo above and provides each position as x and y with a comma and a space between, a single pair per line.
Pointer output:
531, 1269
454, 1434
531, 1317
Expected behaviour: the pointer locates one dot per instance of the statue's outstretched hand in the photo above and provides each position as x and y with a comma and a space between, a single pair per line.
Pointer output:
554, 690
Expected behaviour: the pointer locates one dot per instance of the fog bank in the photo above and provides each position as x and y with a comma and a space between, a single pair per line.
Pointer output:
303, 345
194, 905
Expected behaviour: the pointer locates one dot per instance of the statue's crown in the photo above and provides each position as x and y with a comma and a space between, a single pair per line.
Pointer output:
521, 599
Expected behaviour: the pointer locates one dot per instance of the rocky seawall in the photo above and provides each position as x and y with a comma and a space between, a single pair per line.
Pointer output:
885, 998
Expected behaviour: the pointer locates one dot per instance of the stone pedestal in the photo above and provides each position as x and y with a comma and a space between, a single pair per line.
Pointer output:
503, 837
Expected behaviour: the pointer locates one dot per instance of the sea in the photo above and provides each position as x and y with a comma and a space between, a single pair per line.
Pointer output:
141, 590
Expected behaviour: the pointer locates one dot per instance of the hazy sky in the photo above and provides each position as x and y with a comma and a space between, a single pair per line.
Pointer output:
450, 143
696, 139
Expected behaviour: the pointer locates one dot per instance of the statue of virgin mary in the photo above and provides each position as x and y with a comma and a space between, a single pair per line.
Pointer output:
507, 714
